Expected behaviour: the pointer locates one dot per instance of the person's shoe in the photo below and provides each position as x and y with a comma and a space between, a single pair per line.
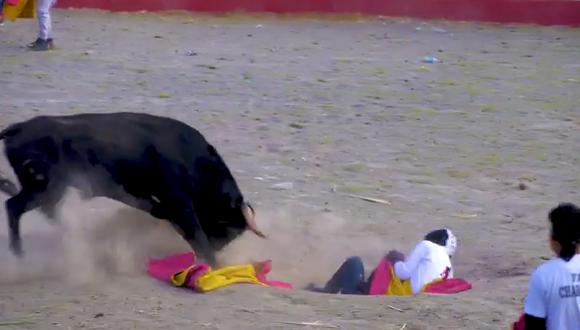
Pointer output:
313, 288
1, 20
34, 43
41, 45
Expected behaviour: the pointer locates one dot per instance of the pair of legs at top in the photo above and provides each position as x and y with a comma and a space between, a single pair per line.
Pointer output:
43, 41
1, 12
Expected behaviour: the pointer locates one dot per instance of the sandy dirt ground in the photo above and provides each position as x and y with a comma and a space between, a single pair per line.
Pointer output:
305, 112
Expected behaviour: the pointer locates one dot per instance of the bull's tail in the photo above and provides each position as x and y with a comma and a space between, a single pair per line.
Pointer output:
7, 186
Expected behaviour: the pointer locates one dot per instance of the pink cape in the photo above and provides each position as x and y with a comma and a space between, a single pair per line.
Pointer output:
164, 269
381, 278
520, 324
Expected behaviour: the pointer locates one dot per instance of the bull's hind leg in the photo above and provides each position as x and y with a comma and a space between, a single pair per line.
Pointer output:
37, 190
49, 202
15, 207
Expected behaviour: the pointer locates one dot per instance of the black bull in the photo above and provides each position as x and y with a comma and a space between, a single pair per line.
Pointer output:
155, 164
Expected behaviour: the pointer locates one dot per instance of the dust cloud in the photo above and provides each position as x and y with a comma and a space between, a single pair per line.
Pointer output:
303, 250
98, 239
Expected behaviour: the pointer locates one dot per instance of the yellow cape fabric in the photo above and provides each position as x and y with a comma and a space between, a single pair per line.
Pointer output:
178, 279
398, 287
24, 9
215, 279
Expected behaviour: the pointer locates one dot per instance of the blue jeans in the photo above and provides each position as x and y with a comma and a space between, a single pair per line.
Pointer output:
348, 279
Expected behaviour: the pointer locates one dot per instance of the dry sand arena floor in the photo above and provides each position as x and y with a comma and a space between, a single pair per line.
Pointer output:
305, 112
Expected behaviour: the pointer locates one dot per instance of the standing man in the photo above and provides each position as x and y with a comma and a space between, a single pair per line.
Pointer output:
553, 300
43, 42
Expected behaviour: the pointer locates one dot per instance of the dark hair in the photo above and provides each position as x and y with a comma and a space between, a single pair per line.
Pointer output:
565, 219
438, 236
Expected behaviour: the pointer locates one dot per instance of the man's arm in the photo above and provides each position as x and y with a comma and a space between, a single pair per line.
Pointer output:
393, 256
535, 306
404, 268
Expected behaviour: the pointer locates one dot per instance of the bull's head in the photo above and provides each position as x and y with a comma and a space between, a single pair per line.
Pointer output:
224, 224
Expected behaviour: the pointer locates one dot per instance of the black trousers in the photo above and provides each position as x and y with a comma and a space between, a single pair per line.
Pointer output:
348, 279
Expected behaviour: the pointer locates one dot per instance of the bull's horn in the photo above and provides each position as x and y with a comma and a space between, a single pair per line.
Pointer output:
250, 216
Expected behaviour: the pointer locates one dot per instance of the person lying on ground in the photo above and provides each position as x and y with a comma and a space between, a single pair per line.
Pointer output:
429, 261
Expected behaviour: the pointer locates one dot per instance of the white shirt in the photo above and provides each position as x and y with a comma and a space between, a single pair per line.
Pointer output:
427, 262
554, 294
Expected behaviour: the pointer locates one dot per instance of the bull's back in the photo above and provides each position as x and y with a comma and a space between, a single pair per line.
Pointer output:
120, 133
126, 145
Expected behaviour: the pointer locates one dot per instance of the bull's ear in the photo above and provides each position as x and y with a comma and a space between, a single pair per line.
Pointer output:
250, 216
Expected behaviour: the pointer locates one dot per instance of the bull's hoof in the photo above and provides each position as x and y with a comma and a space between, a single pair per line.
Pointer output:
211, 261
16, 248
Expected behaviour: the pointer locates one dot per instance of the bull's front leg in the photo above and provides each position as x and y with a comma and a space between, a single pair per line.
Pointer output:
200, 245
190, 229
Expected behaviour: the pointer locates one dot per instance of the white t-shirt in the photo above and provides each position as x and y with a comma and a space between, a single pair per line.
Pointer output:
554, 294
427, 262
